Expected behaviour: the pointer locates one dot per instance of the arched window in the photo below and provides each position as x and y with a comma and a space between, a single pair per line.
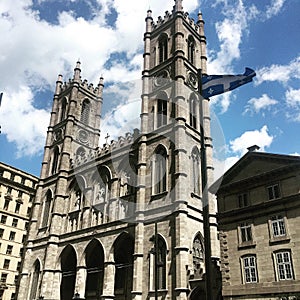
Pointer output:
198, 257
161, 263
35, 280
63, 109
55, 158
68, 269
95, 270
85, 111
80, 153
163, 48
196, 171
191, 49
123, 255
158, 263
162, 110
193, 111
159, 170
46, 212
102, 186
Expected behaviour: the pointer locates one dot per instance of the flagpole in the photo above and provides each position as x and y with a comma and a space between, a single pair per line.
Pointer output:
205, 200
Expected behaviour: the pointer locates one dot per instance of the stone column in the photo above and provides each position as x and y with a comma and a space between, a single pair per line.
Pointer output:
109, 280
81, 281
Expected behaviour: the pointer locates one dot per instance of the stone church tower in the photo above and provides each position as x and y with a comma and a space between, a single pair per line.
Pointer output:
125, 221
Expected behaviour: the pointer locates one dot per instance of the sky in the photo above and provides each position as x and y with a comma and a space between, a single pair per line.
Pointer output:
41, 39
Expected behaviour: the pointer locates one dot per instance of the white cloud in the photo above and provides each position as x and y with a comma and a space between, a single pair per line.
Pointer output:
23, 125
292, 97
230, 33
249, 138
258, 104
274, 8
280, 73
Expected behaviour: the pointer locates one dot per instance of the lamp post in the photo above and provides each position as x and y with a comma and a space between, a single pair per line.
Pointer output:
205, 200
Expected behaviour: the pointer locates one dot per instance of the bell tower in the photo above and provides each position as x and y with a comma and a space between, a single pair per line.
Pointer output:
74, 125
169, 198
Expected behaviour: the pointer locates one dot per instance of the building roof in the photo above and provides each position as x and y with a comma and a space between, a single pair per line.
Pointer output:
255, 166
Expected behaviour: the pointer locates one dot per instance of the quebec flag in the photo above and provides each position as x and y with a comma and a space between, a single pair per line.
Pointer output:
217, 84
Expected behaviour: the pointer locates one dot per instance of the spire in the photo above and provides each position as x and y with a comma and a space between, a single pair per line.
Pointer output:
58, 84
100, 86
178, 6
77, 71
149, 13
200, 17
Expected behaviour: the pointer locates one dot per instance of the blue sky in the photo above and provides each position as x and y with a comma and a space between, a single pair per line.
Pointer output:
43, 38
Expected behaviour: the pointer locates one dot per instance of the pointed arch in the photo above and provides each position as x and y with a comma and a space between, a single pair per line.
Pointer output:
80, 153
123, 250
127, 171
46, 208
194, 111
198, 256
34, 286
85, 111
159, 170
191, 49
68, 263
158, 263
63, 109
55, 158
102, 185
196, 179
94, 259
163, 47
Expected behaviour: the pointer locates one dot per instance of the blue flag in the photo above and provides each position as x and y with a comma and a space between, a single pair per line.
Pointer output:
218, 84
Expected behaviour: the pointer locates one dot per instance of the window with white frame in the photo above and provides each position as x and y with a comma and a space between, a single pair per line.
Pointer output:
273, 191
278, 226
245, 232
249, 269
284, 265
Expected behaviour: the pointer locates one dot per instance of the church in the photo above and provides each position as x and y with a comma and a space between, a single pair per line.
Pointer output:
125, 220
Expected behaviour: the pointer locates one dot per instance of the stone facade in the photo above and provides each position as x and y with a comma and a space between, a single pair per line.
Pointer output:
17, 190
258, 204
125, 221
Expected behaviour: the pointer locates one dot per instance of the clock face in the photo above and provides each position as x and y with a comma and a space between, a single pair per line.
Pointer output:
193, 80
162, 78
83, 136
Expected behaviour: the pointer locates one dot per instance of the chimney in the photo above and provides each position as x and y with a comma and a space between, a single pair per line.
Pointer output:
253, 148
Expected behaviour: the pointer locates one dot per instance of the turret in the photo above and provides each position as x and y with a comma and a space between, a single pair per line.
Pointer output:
77, 71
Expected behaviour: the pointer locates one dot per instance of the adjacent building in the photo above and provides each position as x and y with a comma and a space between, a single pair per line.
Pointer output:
17, 190
259, 218
125, 220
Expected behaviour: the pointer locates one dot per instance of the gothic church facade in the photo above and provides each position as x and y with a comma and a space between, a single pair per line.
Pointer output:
125, 221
